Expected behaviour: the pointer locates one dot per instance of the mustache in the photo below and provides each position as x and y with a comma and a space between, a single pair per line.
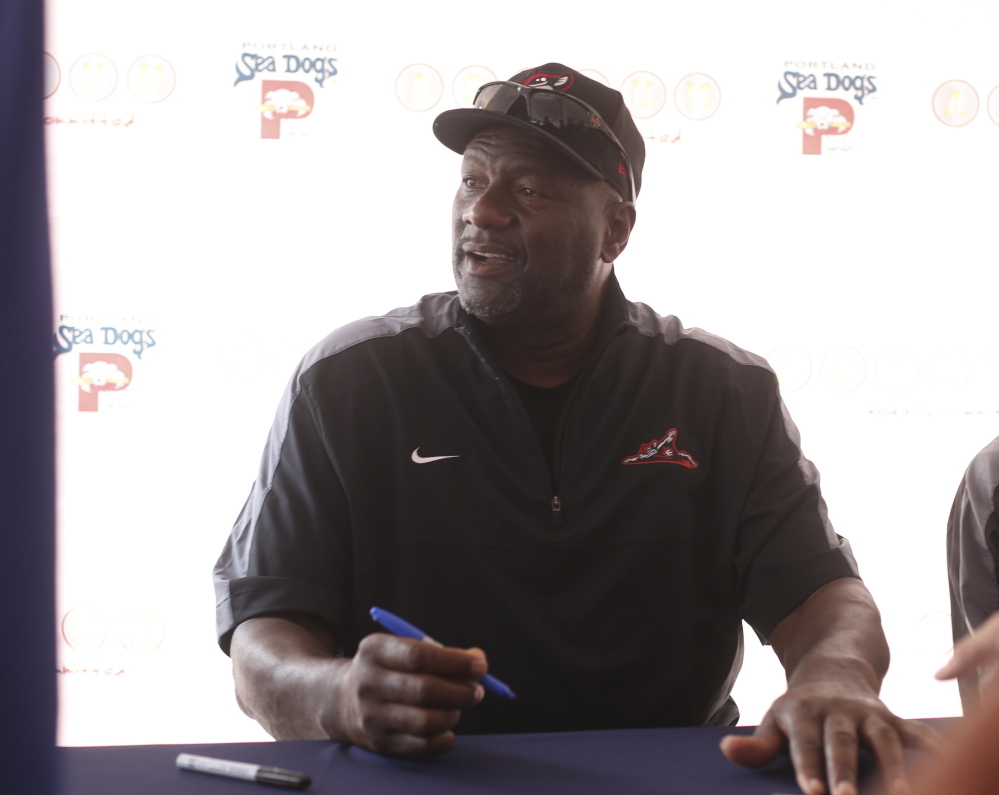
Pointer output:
486, 245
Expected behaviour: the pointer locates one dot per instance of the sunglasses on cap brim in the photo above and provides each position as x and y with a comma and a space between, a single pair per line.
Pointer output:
547, 108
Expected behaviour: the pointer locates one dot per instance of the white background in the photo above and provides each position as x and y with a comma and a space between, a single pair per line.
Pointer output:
238, 253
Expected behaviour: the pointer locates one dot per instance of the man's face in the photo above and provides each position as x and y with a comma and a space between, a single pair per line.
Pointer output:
527, 229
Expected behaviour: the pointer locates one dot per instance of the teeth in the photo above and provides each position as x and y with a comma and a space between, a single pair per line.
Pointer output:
485, 255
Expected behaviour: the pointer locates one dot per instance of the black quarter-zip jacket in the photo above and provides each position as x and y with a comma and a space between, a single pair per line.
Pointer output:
402, 471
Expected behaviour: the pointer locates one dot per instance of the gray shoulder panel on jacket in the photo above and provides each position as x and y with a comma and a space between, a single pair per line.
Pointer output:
646, 321
432, 314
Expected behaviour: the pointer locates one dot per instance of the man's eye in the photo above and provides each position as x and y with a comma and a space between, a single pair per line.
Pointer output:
528, 191
470, 182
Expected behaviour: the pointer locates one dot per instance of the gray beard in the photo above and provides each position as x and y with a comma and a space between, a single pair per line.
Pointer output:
484, 309
478, 302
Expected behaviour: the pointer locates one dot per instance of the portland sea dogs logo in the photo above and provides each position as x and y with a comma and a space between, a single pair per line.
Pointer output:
293, 75
828, 120
662, 451
283, 99
823, 116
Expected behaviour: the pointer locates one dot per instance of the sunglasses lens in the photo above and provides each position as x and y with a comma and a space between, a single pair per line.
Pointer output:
544, 107
550, 108
497, 97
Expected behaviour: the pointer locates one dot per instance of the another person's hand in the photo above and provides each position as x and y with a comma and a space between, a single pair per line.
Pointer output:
977, 653
404, 697
822, 724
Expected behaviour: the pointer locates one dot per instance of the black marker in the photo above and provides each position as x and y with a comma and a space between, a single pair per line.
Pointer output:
244, 771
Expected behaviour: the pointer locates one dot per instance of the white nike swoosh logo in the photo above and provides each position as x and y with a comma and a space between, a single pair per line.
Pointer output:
419, 459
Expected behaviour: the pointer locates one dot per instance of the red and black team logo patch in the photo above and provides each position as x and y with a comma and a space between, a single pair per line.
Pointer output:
554, 82
662, 451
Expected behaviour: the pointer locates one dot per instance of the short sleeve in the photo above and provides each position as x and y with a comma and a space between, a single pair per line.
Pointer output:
787, 548
290, 547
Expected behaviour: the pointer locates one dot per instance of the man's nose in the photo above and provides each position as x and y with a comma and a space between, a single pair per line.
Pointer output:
489, 210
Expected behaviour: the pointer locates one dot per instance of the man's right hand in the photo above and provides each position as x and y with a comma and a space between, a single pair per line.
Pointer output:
404, 697
396, 696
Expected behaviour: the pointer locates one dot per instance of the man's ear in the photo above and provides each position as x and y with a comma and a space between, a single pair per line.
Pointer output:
620, 219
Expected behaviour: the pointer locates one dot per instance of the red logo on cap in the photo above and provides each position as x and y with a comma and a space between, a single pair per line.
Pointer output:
553, 82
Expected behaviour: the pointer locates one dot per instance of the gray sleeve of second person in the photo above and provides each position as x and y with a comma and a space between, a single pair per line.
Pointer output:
290, 547
973, 544
788, 546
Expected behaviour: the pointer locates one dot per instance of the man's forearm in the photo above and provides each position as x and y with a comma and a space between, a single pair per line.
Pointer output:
837, 629
835, 655
280, 667
394, 696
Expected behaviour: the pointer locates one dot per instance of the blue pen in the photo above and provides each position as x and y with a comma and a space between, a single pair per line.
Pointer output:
398, 626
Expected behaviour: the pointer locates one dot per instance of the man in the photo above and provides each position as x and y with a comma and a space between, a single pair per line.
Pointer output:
537, 466
973, 564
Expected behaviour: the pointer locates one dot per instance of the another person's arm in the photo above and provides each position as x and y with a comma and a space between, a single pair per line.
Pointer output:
395, 696
835, 655
972, 767
973, 560
977, 656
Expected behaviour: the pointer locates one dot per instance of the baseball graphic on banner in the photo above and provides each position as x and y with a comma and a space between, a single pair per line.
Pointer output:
955, 103
419, 87
644, 94
93, 77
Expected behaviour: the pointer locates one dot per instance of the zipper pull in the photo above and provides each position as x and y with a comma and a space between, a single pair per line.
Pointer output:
557, 511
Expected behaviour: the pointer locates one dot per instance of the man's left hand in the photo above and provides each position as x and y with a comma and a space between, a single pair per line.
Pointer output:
822, 726
835, 655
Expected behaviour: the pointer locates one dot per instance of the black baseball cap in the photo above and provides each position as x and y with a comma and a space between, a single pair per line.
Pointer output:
588, 145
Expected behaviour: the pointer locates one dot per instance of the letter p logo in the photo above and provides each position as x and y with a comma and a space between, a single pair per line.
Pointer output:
282, 99
823, 116
101, 372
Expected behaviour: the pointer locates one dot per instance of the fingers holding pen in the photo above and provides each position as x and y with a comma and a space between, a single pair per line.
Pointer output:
404, 697
404, 671
401, 627
403, 693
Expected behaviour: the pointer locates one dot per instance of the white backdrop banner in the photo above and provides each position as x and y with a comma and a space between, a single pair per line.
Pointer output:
231, 181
